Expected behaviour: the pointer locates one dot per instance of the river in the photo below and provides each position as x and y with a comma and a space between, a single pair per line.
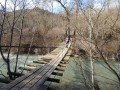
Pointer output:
73, 79
21, 60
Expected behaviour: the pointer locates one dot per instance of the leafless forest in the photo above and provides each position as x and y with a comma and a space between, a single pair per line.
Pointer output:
95, 31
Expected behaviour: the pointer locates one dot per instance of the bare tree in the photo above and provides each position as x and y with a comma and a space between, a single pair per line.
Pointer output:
68, 13
12, 28
93, 22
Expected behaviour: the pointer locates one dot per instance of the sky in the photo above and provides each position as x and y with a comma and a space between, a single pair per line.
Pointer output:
99, 3
56, 6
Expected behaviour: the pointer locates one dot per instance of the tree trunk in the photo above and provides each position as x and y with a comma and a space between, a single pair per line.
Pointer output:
9, 71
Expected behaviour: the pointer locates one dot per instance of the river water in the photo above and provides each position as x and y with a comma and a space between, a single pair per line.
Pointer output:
73, 79
21, 60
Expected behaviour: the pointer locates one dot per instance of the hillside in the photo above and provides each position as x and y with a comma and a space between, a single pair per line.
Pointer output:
44, 27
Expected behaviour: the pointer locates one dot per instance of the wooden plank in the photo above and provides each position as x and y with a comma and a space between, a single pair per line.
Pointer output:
29, 74
49, 72
40, 62
62, 65
26, 68
64, 62
31, 79
47, 60
33, 65
41, 81
44, 75
54, 80
60, 69
33, 76
3, 80
57, 73
66, 58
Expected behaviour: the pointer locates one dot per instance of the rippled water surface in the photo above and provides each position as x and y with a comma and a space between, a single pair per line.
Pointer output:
22, 59
73, 77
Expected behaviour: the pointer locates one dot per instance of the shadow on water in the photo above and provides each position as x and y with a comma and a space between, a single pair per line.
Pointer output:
73, 79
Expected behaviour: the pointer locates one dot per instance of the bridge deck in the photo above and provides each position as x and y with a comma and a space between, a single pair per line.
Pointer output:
36, 78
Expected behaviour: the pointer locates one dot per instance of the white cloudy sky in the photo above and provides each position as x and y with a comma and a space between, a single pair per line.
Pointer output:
30, 4
97, 4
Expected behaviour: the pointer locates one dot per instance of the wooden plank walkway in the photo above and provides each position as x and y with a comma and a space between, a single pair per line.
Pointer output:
35, 79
